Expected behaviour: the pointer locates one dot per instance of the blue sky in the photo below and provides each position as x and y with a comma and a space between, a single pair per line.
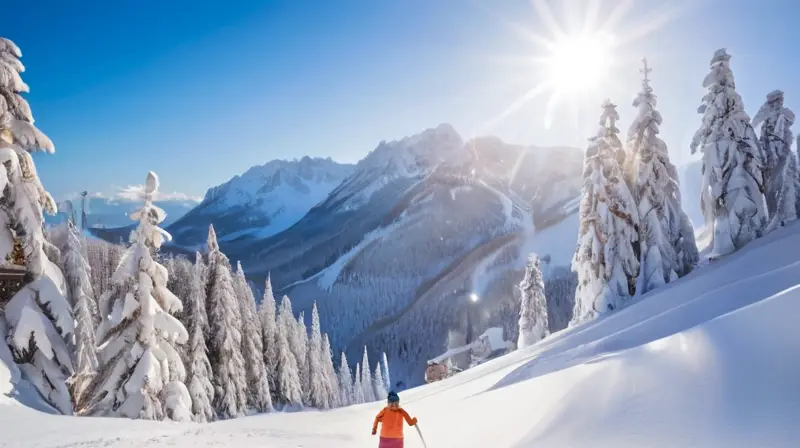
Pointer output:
200, 91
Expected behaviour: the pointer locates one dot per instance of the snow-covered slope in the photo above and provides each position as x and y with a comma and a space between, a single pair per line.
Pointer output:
263, 201
707, 361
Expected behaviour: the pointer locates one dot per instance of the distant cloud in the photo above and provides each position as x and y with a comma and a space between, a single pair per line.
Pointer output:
134, 193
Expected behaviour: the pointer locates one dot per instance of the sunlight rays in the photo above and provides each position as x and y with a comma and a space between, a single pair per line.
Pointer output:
569, 60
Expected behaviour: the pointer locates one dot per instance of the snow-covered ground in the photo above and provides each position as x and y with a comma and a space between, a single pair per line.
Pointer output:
708, 361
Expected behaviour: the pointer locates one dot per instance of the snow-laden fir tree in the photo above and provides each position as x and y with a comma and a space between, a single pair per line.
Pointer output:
358, 387
319, 396
288, 377
533, 306
15, 113
787, 206
269, 330
258, 396
79, 288
198, 369
776, 144
606, 258
733, 163
366, 378
378, 385
386, 377
225, 335
780, 163
796, 155
301, 352
39, 316
346, 397
142, 374
655, 189
331, 379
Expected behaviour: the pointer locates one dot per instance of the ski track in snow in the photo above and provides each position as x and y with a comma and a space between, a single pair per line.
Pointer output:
707, 361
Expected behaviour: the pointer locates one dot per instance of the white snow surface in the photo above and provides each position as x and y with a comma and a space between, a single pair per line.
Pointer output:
708, 360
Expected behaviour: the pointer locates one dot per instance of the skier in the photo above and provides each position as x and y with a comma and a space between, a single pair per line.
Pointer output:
391, 419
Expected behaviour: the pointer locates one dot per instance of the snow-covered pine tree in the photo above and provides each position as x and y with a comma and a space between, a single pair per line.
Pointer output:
386, 377
318, 390
366, 378
358, 387
655, 191
142, 375
288, 378
331, 380
15, 114
269, 331
224, 338
180, 272
198, 369
258, 396
79, 288
346, 397
780, 163
732, 196
378, 385
796, 155
787, 210
606, 259
39, 316
776, 144
301, 353
533, 307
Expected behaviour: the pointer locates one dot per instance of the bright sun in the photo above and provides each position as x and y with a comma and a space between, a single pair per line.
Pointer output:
571, 63
579, 63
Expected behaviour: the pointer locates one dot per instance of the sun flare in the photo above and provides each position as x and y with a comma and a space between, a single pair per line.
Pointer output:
570, 62
579, 63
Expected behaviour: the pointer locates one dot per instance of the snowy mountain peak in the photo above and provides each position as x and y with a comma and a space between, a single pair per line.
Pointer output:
299, 175
263, 201
417, 154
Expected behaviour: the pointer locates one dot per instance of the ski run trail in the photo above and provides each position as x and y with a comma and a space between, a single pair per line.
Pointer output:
712, 360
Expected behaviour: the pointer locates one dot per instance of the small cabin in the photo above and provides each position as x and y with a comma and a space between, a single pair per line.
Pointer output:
11, 281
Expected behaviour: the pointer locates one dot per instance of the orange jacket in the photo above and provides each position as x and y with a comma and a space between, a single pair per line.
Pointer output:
391, 420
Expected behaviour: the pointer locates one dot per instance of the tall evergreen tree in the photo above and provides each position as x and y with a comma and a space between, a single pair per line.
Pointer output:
386, 377
39, 316
358, 387
142, 374
15, 114
796, 155
607, 257
288, 378
199, 372
301, 352
733, 164
269, 331
655, 190
781, 164
258, 395
533, 307
224, 337
366, 378
346, 397
79, 288
318, 389
331, 379
378, 385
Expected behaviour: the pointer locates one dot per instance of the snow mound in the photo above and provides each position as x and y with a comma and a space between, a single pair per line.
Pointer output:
708, 360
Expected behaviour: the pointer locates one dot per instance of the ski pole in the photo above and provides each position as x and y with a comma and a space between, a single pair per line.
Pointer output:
420, 436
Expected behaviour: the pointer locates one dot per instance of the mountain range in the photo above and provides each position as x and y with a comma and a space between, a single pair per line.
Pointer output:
396, 244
